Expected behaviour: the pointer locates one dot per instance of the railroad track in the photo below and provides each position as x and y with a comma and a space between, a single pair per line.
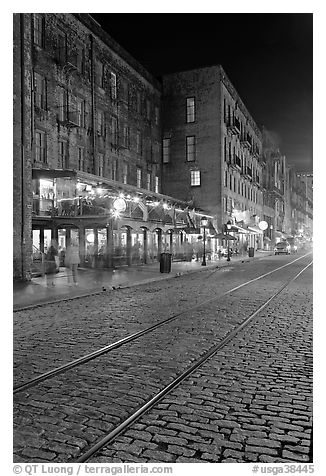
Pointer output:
128, 422
133, 337
203, 357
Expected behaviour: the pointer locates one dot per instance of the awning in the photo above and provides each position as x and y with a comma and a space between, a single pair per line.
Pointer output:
52, 173
256, 230
239, 229
224, 236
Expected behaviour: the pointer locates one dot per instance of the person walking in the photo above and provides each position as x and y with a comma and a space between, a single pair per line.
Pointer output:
51, 258
72, 262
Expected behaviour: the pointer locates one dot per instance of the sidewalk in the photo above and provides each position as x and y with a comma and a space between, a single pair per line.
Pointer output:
98, 280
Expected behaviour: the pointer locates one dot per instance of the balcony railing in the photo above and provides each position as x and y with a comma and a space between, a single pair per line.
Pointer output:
246, 140
234, 125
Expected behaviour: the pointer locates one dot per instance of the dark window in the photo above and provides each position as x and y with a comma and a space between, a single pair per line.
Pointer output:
190, 148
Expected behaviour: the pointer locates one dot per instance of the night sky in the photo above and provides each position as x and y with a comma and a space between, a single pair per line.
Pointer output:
268, 58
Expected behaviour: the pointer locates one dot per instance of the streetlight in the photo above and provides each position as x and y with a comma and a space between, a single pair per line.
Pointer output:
228, 227
204, 222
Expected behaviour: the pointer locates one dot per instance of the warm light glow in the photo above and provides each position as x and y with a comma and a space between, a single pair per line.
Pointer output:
121, 195
165, 206
204, 221
263, 225
88, 188
90, 238
116, 213
136, 199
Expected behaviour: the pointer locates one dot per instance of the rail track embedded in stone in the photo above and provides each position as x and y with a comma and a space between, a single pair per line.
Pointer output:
110, 347
158, 397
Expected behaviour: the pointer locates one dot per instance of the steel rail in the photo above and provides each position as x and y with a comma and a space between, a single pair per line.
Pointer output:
108, 348
136, 415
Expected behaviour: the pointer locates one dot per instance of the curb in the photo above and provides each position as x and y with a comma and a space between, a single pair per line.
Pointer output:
161, 277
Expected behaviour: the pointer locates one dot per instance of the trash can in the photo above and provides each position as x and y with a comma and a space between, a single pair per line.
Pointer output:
251, 252
165, 262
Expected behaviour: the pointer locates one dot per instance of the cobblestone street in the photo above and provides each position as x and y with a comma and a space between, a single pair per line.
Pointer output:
250, 402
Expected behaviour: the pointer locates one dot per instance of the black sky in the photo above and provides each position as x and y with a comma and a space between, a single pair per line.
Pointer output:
268, 58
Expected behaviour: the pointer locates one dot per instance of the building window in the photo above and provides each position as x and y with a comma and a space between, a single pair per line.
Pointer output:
113, 84
230, 182
226, 178
100, 123
99, 73
156, 185
80, 60
138, 142
81, 158
100, 164
80, 107
62, 47
39, 91
63, 105
190, 109
125, 173
166, 150
126, 136
148, 109
195, 178
63, 155
148, 181
114, 170
114, 131
157, 115
40, 147
138, 177
190, 148
138, 102
38, 29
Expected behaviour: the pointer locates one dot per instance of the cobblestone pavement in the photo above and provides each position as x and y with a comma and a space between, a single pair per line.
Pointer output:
59, 418
251, 402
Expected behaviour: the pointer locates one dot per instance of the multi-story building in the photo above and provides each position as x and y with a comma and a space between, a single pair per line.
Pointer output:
212, 150
274, 181
306, 178
95, 159
87, 147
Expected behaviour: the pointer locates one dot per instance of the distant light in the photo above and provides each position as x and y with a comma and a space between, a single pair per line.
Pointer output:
116, 213
119, 205
263, 225
165, 206
136, 199
88, 188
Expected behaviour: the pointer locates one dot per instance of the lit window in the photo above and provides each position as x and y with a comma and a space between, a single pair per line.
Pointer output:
113, 82
166, 151
100, 123
80, 106
190, 148
138, 178
138, 142
38, 30
39, 91
194, 178
156, 185
114, 170
190, 109
125, 173
114, 131
100, 164
148, 181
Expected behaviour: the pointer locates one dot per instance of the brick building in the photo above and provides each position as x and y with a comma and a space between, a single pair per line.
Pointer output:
95, 158
212, 150
87, 148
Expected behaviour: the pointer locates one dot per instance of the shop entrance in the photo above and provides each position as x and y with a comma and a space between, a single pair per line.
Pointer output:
42, 239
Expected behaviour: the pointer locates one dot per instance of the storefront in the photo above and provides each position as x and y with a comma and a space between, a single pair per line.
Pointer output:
114, 224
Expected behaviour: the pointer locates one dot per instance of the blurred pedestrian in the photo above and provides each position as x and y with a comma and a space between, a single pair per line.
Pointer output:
72, 262
51, 259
